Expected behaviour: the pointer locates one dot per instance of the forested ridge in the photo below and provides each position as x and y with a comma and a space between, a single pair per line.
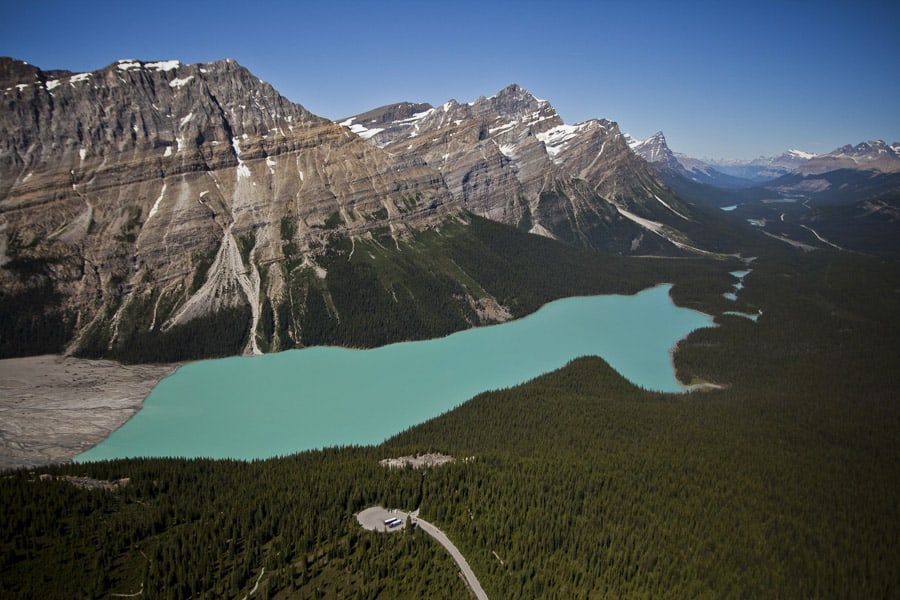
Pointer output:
783, 483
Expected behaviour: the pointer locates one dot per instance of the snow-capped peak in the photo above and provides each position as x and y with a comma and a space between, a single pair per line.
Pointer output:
801, 154
654, 149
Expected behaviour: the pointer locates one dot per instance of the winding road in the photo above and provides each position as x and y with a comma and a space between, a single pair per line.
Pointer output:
373, 519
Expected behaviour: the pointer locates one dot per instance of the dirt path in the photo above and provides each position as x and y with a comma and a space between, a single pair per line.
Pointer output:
373, 519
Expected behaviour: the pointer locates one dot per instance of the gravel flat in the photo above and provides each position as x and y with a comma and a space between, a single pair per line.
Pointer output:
53, 408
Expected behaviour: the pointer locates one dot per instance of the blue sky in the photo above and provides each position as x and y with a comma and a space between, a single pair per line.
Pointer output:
721, 79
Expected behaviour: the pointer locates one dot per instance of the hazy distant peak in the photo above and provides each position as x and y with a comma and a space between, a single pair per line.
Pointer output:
801, 154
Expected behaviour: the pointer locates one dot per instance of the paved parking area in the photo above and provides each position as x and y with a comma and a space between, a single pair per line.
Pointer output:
373, 519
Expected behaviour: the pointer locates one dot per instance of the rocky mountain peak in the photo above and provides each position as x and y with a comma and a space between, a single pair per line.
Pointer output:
674, 167
514, 101
656, 150
192, 115
16, 72
388, 123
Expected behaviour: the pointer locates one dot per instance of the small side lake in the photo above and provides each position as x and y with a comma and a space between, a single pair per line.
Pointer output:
278, 404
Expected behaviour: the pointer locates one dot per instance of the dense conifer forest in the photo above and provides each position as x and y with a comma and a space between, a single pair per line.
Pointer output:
781, 481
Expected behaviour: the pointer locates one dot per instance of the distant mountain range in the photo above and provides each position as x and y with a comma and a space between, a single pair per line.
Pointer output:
848, 198
733, 174
763, 168
871, 156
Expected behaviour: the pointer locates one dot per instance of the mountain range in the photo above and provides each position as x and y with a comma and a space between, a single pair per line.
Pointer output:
512, 159
147, 201
731, 174
763, 168
147, 204
848, 198
876, 157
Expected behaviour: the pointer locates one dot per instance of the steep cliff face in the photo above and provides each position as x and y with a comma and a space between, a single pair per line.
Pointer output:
511, 158
176, 192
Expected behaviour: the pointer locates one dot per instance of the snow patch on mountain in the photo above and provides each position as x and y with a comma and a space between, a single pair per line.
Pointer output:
242, 170
164, 65
155, 206
360, 129
663, 202
72, 80
128, 64
181, 82
556, 138
502, 128
416, 117
507, 150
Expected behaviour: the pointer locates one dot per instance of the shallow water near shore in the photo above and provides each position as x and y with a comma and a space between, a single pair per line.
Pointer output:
277, 404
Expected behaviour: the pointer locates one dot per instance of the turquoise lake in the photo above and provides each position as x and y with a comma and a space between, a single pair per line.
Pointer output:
278, 404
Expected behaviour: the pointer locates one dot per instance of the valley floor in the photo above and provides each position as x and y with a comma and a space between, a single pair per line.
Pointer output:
52, 408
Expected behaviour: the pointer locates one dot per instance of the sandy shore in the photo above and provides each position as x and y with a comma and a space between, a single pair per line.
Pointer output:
53, 407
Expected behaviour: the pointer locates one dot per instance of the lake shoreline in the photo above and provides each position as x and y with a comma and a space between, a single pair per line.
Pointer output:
330, 396
55, 408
